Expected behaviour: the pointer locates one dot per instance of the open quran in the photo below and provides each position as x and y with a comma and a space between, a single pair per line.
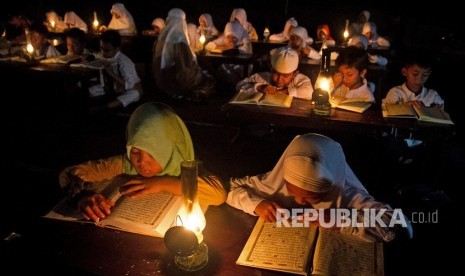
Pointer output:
150, 215
311, 251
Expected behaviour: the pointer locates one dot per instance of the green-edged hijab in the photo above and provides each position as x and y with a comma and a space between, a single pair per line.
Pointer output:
156, 129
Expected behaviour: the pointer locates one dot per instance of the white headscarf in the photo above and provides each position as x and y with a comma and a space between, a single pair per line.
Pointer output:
241, 16
287, 27
366, 14
235, 29
175, 31
316, 163
302, 33
125, 24
75, 21
284, 60
159, 22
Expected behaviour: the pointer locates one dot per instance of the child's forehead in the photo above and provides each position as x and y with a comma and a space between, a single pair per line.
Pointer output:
347, 68
417, 67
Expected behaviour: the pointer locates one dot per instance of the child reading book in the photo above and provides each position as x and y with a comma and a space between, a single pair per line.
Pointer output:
283, 78
349, 81
416, 70
157, 142
312, 172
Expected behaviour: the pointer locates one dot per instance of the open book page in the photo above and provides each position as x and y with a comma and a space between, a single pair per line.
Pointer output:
354, 104
94, 64
286, 249
398, 111
247, 97
342, 254
65, 59
149, 215
433, 114
250, 97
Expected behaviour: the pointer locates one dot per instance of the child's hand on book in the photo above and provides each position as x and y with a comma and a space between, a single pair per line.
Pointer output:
416, 103
95, 207
267, 210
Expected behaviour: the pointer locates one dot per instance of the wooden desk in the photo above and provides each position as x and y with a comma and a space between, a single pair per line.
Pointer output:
300, 115
109, 252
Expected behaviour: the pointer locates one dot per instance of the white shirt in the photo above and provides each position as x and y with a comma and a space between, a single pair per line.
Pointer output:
300, 86
401, 94
364, 92
124, 68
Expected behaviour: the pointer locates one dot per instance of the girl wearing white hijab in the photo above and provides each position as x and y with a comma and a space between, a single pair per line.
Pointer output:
121, 20
240, 16
285, 34
312, 171
157, 142
300, 41
375, 40
206, 27
175, 66
234, 38
74, 21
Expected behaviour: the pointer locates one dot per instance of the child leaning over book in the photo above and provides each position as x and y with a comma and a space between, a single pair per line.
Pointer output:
311, 172
283, 78
157, 142
416, 70
349, 81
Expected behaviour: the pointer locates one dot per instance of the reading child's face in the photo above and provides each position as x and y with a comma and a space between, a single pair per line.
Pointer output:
280, 79
74, 46
144, 163
37, 39
295, 42
352, 77
416, 76
108, 50
304, 197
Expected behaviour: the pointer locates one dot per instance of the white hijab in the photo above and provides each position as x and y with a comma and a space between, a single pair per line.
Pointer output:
175, 31
325, 169
73, 20
125, 24
241, 16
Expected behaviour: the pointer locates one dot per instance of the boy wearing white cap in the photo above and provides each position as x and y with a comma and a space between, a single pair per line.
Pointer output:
283, 78
313, 172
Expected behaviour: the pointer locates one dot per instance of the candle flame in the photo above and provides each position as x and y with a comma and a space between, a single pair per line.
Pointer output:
29, 48
52, 23
202, 39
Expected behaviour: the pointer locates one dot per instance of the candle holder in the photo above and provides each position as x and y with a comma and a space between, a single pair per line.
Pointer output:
185, 240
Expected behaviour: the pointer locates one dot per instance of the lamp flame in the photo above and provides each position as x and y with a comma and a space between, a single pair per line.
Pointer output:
30, 48
202, 39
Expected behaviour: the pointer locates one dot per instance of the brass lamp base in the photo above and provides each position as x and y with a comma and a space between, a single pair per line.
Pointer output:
194, 262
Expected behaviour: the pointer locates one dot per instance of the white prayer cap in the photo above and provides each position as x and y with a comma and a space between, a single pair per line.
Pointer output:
235, 29
159, 22
369, 27
301, 32
360, 40
284, 60
308, 174
177, 13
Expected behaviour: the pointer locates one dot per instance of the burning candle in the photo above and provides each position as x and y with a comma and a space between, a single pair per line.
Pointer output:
346, 30
95, 22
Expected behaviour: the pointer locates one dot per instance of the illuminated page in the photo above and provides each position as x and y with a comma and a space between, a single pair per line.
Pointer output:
342, 254
285, 249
